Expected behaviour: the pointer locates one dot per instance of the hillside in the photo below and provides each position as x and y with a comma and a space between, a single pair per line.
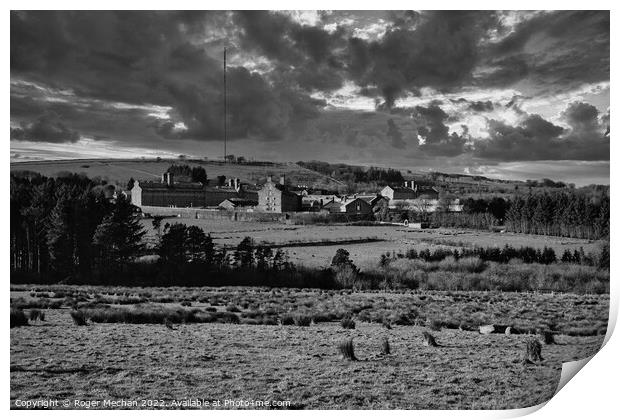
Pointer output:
119, 171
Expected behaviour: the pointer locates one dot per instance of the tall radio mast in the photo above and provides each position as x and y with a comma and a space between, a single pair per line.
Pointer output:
225, 107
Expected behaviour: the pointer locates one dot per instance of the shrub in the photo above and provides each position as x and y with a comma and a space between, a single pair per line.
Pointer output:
302, 320
346, 276
229, 318
18, 318
269, 320
287, 319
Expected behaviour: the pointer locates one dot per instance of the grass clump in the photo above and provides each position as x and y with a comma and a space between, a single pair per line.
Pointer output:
347, 323
346, 349
287, 319
79, 317
18, 318
302, 320
385, 346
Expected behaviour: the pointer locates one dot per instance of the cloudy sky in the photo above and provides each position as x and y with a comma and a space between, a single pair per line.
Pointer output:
505, 94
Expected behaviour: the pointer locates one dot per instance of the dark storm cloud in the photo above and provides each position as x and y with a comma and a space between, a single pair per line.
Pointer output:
585, 125
395, 135
113, 66
554, 50
152, 57
538, 139
305, 55
93, 118
440, 51
534, 139
431, 128
47, 128
430, 122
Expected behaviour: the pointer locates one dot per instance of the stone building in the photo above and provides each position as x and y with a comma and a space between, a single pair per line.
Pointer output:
169, 193
276, 198
349, 206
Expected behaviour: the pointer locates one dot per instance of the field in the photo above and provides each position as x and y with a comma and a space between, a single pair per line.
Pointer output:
246, 357
118, 171
380, 239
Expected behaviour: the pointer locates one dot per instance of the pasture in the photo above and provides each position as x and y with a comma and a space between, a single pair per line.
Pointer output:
118, 171
253, 354
380, 239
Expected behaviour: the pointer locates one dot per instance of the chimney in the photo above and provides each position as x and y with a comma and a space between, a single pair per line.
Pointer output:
268, 178
406, 184
282, 179
167, 179
237, 184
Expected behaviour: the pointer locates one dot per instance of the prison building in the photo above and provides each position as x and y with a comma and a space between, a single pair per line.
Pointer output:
276, 198
168, 193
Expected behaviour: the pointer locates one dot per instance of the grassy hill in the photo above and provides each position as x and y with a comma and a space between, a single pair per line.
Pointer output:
118, 171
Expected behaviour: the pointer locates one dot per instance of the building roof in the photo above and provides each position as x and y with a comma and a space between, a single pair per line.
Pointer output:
402, 189
283, 188
156, 185
240, 202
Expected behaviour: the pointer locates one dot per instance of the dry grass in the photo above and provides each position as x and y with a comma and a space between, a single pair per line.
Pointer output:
302, 365
569, 314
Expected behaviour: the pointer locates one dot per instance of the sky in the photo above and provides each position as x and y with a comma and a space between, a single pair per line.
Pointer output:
505, 94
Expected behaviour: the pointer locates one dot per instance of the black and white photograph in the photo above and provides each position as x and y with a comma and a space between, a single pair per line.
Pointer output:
306, 209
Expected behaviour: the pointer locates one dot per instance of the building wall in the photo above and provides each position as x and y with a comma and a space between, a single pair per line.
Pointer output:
358, 206
136, 195
388, 192
269, 198
215, 197
289, 202
273, 200
173, 197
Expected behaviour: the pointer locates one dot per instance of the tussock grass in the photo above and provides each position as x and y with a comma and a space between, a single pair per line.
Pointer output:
533, 350
346, 349
43, 303
385, 346
434, 324
287, 319
473, 274
79, 317
347, 323
18, 318
302, 320
36, 315
429, 340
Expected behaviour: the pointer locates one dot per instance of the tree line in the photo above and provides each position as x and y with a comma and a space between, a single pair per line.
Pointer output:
570, 213
72, 229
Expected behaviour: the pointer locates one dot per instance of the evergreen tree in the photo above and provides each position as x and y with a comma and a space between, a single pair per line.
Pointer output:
118, 237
